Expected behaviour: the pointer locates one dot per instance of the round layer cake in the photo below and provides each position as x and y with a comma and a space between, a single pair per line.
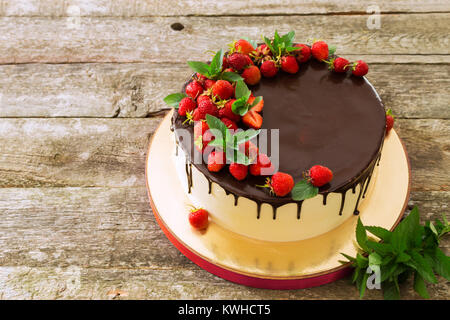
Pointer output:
327, 118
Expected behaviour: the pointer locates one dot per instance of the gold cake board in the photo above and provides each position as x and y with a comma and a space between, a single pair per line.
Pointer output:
274, 265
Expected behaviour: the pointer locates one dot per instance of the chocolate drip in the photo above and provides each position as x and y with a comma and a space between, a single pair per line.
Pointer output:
356, 211
258, 209
342, 202
209, 185
325, 195
189, 175
299, 209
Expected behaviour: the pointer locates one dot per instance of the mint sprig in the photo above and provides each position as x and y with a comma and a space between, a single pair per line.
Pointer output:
281, 45
242, 93
411, 249
229, 142
214, 69
304, 190
174, 99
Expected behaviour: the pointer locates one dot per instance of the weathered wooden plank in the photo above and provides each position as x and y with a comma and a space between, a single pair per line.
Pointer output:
137, 90
98, 39
105, 152
88, 242
134, 8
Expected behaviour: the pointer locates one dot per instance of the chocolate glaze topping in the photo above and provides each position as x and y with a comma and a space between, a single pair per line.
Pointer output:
326, 118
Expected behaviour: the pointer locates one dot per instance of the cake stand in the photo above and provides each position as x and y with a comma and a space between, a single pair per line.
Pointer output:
273, 265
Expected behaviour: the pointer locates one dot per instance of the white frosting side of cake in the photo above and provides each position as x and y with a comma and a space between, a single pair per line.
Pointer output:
315, 219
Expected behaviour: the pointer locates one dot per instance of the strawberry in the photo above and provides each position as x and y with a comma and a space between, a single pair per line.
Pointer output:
289, 64
360, 68
237, 170
248, 61
319, 50
250, 150
340, 65
229, 123
202, 97
194, 89
227, 112
202, 135
258, 107
389, 121
262, 167
208, 83
320, 175
281, 183
252, 119
186, 105
200, 78
251, 75
263, 50
268, 68
205, 107
216, 161
223, 89
243, 46
198, 218
303, 54
229, 70
225, 63
237, 61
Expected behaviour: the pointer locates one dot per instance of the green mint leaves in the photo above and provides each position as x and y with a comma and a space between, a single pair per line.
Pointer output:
410, 249
241, 105
174, 99
214, 69
230, 142
281, 45
304, 190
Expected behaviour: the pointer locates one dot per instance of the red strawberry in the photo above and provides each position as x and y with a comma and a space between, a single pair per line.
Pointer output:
360, 68
209, 83
202, 97
319, 50
225, 63
249, 61
200, 78
198, 218
389, 121
320, 175
237, 61
303, 54
289, 64
281, 183
251, 75
237, 170
340, 65
227, 112
229, 123
216, 161
201, 135
258, 107
223, 89
263, 166
269, 68
263, 50
205, 107
250, 150
229, 70
194, 89
243, 46
186, 105
252, 119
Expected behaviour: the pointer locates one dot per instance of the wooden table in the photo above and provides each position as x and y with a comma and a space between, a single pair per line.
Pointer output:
81, 88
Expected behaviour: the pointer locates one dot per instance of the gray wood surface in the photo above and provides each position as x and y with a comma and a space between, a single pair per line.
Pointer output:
80, 99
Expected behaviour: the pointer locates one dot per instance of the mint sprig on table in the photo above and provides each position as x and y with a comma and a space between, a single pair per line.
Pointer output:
214, 69
411, 249
229, 142
242, 93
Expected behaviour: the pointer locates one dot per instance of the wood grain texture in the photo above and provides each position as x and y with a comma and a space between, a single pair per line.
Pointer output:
111, 152
137, 89
151, 39
92, 242
133, 8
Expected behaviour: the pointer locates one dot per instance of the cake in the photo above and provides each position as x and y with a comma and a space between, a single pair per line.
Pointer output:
325, 125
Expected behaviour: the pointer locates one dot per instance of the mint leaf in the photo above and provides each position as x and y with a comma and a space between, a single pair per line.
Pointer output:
242, 90
361, 235
381, 233
331, 50
240, 106
390, 291
230, 76
216, 63
304, 190
174, 99
256, 101
419, 286
216, 124
244, 136
288, 38
200, 67
440, 262
421, 266
234, 155
380, 248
